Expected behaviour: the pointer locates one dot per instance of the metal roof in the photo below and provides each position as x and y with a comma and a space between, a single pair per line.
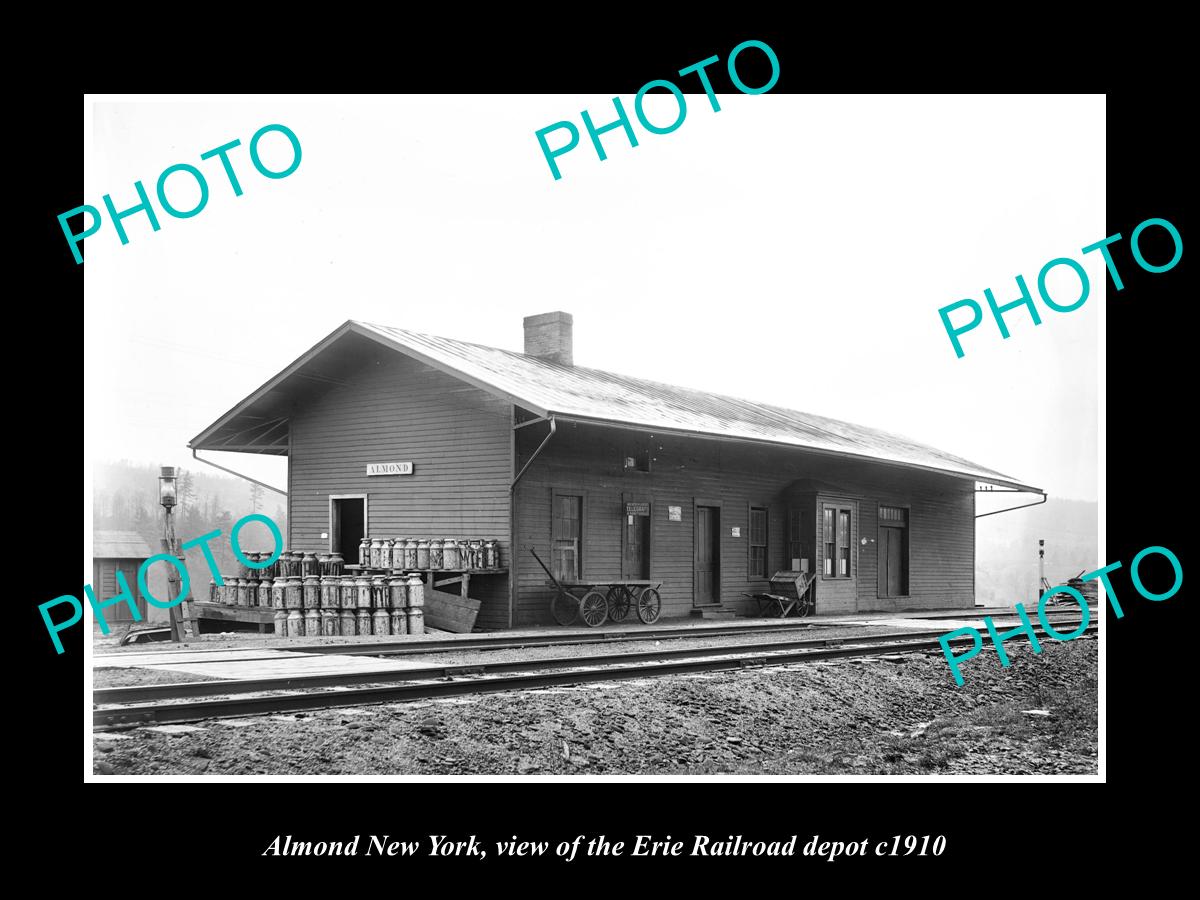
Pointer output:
119, 545
593, 395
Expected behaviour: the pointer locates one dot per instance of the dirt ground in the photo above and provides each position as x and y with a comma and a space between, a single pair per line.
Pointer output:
899, 715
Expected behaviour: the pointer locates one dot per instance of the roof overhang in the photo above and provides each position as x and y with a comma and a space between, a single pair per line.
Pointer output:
261, 422
986, 478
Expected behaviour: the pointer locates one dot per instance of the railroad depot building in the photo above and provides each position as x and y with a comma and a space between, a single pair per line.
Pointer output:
401, 435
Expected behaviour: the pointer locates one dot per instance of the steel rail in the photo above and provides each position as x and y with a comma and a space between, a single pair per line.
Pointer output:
180, 690
550, 639
190, 711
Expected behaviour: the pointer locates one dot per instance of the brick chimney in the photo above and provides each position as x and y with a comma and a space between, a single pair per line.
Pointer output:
548, 337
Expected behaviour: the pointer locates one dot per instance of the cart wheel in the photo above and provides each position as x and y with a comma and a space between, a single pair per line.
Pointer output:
594, 608
618, 602
649, 605
803, 608
564, 607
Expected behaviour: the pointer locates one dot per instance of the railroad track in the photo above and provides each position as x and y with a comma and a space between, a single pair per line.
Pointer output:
174, 703
559, 639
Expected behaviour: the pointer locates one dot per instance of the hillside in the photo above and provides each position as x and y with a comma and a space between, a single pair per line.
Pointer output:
1006, 555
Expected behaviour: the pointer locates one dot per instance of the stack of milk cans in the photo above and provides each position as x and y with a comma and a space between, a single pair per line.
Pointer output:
332, 605
423, 554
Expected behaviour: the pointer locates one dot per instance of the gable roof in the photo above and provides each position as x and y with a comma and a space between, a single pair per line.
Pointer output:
588, 395
120, 545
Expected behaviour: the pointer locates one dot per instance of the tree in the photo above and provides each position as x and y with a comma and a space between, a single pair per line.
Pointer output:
187, 490
256, 496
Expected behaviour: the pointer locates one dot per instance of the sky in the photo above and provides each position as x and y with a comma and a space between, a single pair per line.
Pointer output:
790, 249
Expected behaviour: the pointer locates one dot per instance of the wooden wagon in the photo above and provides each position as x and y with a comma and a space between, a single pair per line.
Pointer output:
791, 592
596, 602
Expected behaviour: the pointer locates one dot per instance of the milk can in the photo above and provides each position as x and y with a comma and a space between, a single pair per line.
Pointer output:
295, 623
336, 564
243, 592
279, 592
362, 593
364, 552
264, 593
362, 620
379, 592
308, 565
312, 622
231, 591
416, 592
380, 621
294, 594
398, 590
346, 614
212, 591
322, 563
312, 592
435, 553
399, 620
416, 620
410, 553
330, 595
422, 554
281, 623
450, 554
491, 554
330, 622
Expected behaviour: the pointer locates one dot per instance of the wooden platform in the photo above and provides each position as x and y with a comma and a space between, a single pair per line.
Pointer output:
256, 662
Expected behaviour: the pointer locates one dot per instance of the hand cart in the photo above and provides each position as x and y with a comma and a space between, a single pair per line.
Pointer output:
598, 601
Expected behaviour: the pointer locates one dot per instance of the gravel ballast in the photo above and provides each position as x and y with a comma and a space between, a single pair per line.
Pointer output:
898, 715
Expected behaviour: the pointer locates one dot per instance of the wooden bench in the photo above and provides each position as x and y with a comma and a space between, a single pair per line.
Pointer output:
791, 592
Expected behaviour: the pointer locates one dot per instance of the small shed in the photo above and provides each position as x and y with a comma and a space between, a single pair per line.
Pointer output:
124, 552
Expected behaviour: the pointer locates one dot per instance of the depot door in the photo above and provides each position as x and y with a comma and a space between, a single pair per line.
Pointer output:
635, 562
893, 562
708, 556
347, 525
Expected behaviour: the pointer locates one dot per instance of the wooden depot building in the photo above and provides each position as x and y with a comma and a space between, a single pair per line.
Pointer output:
401, 435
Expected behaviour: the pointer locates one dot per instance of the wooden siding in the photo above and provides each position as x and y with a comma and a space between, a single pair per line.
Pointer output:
395, 409
588, 459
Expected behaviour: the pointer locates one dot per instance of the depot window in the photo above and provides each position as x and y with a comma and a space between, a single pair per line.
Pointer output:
758, 542
836, 524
